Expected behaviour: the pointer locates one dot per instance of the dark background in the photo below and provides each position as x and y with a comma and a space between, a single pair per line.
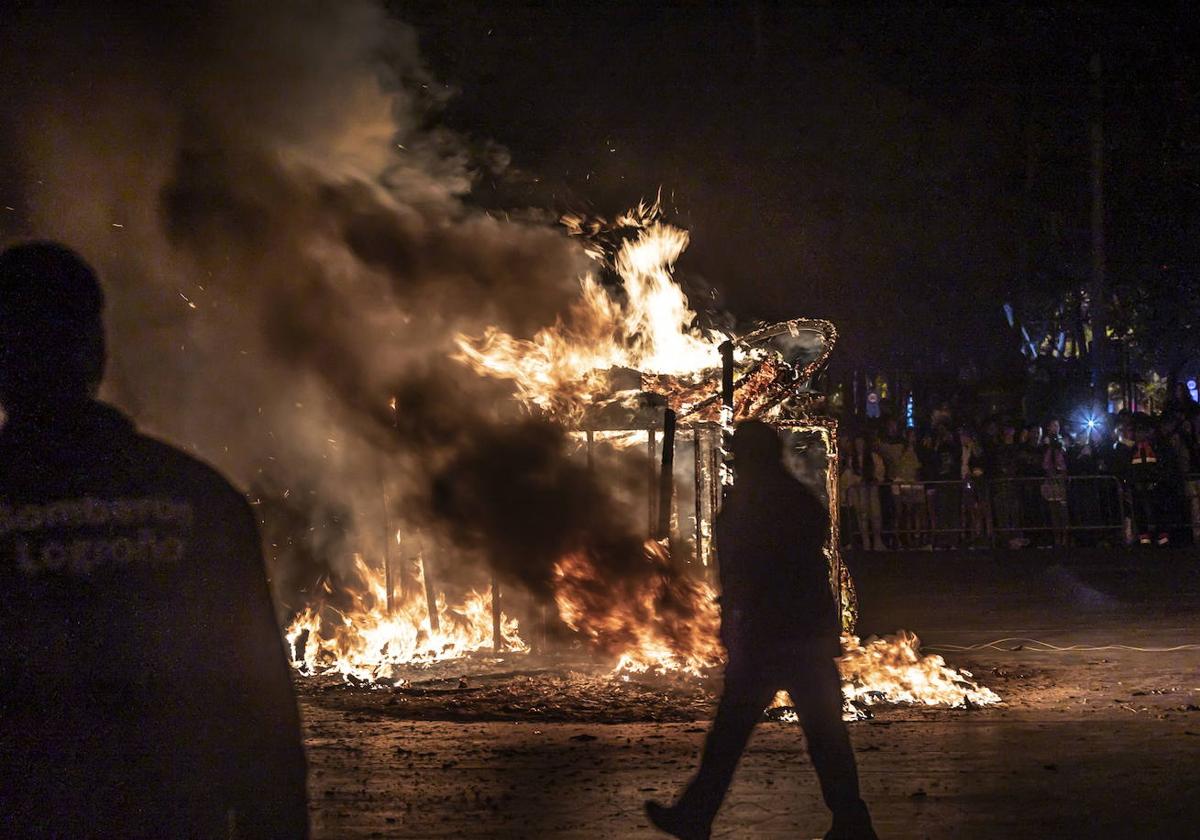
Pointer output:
903, 172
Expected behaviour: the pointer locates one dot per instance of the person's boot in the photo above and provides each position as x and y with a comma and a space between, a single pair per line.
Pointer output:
852, 824
675, 821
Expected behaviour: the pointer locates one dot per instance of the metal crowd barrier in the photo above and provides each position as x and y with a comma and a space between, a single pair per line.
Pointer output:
1006, 512
1191, 495
1174, 509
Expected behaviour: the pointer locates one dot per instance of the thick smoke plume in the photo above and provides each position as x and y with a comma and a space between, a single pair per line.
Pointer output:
286, 247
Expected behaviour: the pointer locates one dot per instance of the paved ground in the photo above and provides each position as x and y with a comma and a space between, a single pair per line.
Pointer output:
1088, 744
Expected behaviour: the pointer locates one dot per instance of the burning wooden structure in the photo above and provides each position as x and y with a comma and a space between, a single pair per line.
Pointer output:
768, 374
630, 366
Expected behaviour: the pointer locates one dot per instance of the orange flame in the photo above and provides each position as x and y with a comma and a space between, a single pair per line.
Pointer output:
648, 327
657, 621
366, 642
893, 669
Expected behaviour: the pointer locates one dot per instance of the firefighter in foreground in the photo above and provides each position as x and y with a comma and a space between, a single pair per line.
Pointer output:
145, 692
780, 628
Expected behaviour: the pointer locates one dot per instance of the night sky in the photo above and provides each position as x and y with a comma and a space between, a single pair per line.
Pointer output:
901, 172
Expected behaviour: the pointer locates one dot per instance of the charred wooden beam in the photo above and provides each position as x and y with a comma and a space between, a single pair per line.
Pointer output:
666, 477
727, 413
430, 594
652, 481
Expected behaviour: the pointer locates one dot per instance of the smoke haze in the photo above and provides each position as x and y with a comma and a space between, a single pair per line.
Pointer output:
281, 231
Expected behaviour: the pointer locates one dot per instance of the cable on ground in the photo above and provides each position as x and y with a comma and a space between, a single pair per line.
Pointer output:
1038, 646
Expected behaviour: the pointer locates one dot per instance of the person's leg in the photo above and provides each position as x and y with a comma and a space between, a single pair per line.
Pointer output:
848, 526
946, 502
1143, 512
913, 504
876, 516
1193, 495
1005, 514
745, 696
975, 507
887, 513
951, 514
906, 520
1055, 507
817, 693
858, 502
931, 514
988, 513
1153, 512
1160, 511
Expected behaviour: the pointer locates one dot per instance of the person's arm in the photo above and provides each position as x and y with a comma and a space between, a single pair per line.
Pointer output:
270, 791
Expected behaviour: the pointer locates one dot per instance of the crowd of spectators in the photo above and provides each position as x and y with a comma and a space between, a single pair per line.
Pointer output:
998, 481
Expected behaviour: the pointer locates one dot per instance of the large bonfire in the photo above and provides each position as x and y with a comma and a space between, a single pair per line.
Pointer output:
641, 324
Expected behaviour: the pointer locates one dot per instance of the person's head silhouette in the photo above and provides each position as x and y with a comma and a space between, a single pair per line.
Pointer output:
51, 334
756, 447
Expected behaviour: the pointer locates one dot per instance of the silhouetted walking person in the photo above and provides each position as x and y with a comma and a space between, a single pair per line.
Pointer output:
780, 628
144, 688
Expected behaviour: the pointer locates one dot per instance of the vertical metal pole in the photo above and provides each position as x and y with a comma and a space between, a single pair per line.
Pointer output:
666, 477
1099, 297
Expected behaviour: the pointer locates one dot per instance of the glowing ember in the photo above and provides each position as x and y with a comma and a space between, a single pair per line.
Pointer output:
364, 641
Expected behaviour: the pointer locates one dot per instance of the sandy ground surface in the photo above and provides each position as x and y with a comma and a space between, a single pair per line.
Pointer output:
1102, 743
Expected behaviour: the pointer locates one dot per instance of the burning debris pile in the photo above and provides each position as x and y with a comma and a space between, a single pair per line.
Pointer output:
892, 669
372, 637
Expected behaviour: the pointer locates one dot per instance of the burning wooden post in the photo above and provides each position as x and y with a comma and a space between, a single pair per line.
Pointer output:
651, 481
726, 349
388, 581
666, 478
703, 456
388, 578
698, 480
430, 594
497, 636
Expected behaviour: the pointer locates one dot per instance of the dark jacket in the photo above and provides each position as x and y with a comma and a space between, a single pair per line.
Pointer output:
1005, 461
947, 461
145, 689
775, 585
1145, 465
1120, 462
